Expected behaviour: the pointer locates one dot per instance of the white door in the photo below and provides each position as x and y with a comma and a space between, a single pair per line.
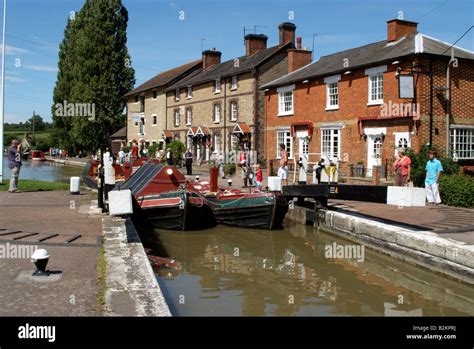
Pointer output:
374, 153
302, 146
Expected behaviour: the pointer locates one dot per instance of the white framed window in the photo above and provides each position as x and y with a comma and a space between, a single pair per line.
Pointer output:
217, 142
284, 136
331, 142
233, 142
217, 113
375, 81
190, 92
462, 142
332, 92
176, 94
285, 100
141, 129
217, 86
154, 120
234, 82
189, 116
234, 111
176, 117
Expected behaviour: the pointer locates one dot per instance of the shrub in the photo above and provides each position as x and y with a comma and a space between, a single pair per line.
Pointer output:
152, 150
229, 169
418, 163
177, 149
126, 149
457, 190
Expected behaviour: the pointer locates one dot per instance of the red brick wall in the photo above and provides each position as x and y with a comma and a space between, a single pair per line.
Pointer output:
310, 104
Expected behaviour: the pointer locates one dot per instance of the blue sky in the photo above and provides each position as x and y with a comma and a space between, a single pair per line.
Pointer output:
159, 40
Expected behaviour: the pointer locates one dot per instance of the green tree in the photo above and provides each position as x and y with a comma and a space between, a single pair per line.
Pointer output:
37, 122
94, 74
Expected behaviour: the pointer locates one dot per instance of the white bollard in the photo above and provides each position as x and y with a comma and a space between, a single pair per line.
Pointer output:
75, 185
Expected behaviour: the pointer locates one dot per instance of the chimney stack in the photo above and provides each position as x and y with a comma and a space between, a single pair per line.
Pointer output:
210, 58
287, 33
398, 28
298, 57
255, 43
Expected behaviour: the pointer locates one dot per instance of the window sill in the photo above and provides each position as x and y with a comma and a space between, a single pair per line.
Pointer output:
332, 108
189, 97
217, 122
233, 120
286, 114
375, 103
233, 88
217, 92
154, 125
188, 124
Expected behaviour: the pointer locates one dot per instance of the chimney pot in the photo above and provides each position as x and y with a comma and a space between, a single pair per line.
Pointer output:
210, 58
298, 42
287, 33
255, 43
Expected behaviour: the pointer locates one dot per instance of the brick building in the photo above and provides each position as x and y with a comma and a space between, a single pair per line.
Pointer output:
346, 106
146, 104
220, 105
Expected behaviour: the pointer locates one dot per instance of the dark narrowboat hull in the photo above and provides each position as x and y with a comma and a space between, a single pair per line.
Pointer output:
182, 216
249, 214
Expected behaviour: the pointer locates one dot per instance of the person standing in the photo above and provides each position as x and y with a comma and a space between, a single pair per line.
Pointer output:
402, 167
134, 150
189, 162
433, 171
259, 178
283, 169
14, 163
169, 157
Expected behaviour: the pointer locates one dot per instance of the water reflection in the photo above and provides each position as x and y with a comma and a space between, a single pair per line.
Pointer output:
229, 271
44, 171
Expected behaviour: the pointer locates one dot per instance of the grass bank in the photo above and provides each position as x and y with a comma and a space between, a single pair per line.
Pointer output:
33, 185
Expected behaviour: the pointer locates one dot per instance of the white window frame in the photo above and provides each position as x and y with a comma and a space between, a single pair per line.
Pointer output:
282, 91
234, 117
176, 94
287, 140
190, 92
217, 85
141, 127
153, 116
234, 82
177, 120
217, 116
371, 74
217, 142
331, 129
189, 112
330, 81
467, 143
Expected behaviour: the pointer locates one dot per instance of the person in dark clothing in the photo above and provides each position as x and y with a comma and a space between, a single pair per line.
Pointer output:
319, 169
189, 162
14, 163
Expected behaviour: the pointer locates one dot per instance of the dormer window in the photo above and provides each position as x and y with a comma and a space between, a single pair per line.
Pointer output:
190, 92
234, 83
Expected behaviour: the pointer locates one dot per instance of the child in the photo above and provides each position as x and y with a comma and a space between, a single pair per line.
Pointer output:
259, 177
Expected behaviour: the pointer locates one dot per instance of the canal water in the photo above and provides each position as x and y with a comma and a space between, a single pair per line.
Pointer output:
230, 271
44, 171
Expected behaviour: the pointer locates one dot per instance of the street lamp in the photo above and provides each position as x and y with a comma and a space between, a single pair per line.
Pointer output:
2, 97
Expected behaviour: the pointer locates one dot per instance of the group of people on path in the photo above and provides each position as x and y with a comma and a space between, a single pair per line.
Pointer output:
433, 169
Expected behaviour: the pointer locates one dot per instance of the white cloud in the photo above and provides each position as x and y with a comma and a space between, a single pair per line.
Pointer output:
14, 78
13, 50
38, 67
